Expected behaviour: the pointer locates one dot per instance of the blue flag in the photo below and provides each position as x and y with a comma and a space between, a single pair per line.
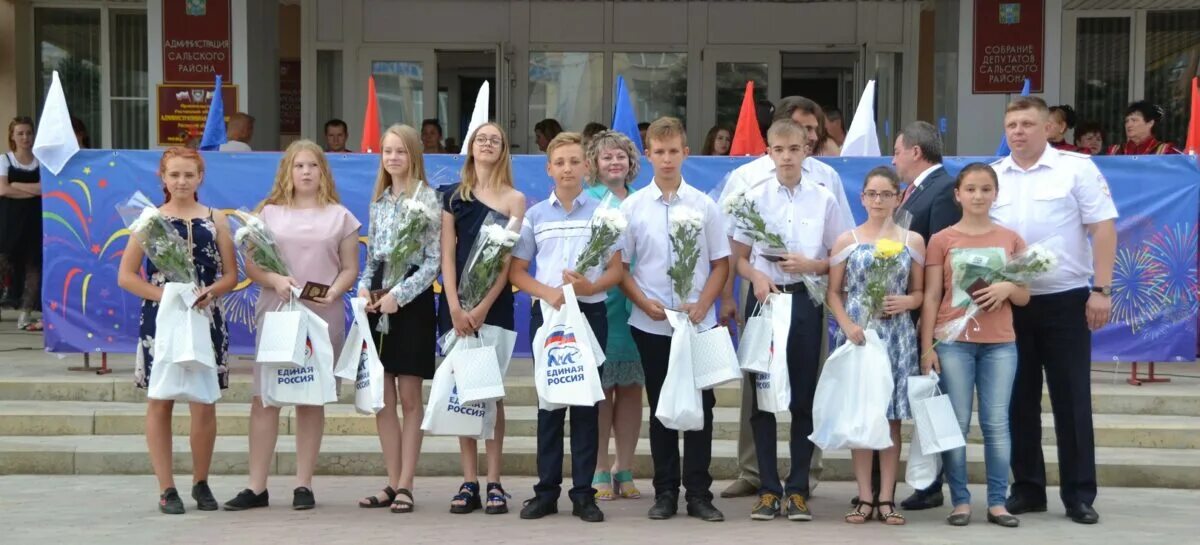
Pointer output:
214, 126
624, 118
1003, 150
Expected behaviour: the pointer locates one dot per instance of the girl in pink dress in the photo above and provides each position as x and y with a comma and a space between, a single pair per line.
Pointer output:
318, 240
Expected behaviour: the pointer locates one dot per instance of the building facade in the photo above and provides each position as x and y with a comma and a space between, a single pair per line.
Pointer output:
138, 72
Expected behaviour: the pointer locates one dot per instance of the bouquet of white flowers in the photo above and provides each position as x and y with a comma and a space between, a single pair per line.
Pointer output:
685, 225
415, 217
160, 241
607, 226
746, 217
492, 246
256, 241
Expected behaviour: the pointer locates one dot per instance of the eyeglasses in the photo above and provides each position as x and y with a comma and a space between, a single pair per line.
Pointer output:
885, 195
493, 140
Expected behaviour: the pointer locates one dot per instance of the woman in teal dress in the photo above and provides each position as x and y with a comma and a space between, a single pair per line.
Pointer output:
614, 164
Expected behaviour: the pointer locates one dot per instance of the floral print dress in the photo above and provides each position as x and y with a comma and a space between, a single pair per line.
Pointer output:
898, 332
207, 260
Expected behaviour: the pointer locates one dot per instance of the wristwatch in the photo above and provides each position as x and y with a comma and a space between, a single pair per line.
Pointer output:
1102, 290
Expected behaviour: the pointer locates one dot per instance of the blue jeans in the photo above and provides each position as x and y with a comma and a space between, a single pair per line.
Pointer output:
990, 369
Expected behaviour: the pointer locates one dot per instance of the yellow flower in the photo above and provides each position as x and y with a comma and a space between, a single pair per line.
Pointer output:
887, 249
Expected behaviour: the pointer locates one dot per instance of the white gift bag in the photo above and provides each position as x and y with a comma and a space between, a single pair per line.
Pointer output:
852, 397
369, 382
714, 361
445, 414
502, 340
175, 382
358, 341
183, 334
477, 375
565, 369
312, 383
680, 403
922, 468
935, 421
281, 343
754, 346
774, 388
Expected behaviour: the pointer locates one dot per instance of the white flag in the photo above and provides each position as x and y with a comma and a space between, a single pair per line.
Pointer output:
861, 138
55, 142
478, 117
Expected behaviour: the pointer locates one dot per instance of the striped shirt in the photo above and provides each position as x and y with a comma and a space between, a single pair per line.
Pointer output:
552, 239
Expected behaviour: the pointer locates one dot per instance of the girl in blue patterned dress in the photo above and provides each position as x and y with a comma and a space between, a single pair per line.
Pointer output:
215, 262
854, 254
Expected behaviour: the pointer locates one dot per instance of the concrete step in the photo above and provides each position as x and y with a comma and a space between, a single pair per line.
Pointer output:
1181, 398
350, 455
48, 418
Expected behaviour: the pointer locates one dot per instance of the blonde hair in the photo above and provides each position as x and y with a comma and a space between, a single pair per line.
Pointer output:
501, 173
411, 140
664, 128
610, 139
785, 128
283, 190
561, 140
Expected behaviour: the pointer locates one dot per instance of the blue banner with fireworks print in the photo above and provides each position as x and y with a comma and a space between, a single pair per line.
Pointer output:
1154, 285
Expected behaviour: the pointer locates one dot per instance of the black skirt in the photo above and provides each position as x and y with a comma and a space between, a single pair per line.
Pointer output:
408, 347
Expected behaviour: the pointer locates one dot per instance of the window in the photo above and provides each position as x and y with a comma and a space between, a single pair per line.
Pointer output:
1102, 73
568, 87
1172, 60
329, 87
399, 88
68, 40
128, 82
657, 83
731, 88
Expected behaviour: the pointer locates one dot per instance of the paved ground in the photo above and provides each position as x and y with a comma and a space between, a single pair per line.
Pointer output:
122, 510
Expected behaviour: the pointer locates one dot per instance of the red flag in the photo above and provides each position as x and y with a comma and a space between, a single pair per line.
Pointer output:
370, 126
747, 138
1193, 134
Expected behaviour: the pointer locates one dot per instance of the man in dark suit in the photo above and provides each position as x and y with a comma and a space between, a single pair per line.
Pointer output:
929, 198
929, 191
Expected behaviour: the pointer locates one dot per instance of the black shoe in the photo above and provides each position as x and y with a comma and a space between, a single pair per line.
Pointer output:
1018, 505
665, 506
767, 507
536, 508
588, 511
204, 497
1005, 520
959, 519
797, 508
247, 499
703, 509
303, 499
1084, 514
169, 502
923, 500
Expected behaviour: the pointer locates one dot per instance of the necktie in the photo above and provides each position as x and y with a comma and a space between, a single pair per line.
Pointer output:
908, 192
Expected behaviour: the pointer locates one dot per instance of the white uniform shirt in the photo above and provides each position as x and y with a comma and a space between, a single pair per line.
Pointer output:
647, 242
552, 239
806, 218
1061, 194
762, 170
234, 145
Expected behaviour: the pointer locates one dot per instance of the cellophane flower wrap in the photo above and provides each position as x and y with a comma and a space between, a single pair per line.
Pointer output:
159, 240
255, 241
1022, 268
607, 226
415, 218
685, 225
492, 246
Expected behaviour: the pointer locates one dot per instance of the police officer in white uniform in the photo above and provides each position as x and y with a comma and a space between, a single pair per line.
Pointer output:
1045, 192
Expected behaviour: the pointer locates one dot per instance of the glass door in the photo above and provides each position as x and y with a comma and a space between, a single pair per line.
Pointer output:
726, 72
405, 85
1096, 78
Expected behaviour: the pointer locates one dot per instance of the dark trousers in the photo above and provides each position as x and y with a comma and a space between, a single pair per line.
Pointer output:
803, 362
664, 442
584, 427
1052, 335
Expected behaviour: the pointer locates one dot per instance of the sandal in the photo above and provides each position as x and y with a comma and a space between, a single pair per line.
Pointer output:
497, 499
401, 505
34, 326
893, 518
859, 517
373, 502
468, 494
624, 485
603, 479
